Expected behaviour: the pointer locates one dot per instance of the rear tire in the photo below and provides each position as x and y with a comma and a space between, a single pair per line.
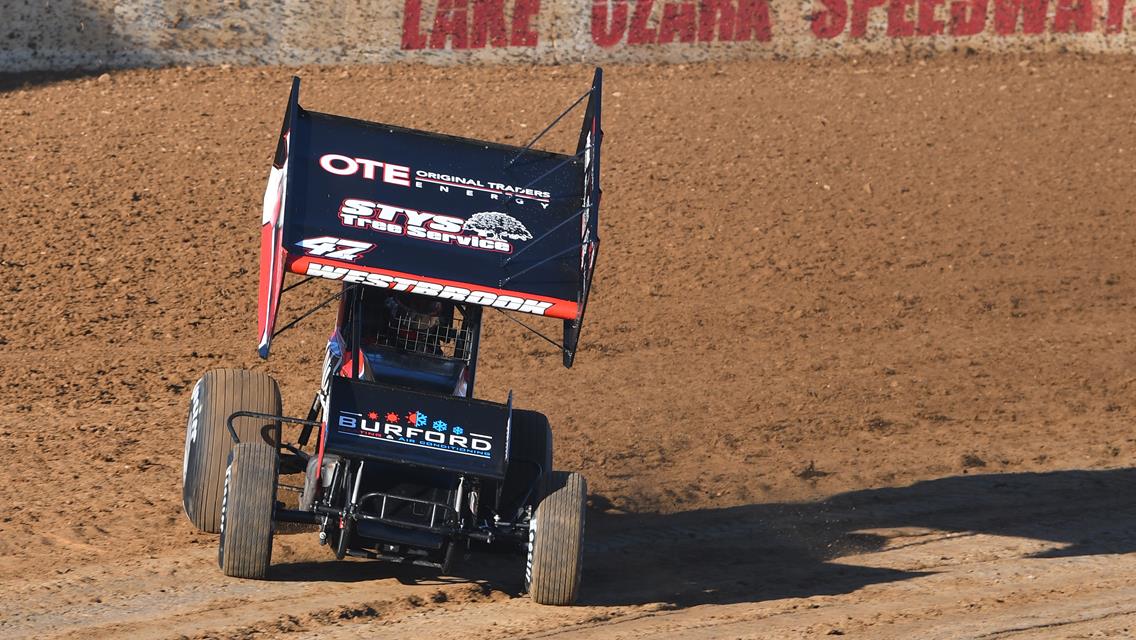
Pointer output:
245, 549
216, 396
556, 542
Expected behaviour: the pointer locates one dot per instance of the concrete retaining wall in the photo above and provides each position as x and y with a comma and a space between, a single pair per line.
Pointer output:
100, 33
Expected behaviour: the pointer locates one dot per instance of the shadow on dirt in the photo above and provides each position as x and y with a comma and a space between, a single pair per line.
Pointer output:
765, 552
762, 552
493, 572
31, 79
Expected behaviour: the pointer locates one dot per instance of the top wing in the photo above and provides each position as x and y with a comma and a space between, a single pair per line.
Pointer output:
430, 214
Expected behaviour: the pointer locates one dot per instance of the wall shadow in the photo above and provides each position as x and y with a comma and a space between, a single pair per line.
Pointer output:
30, 79
77, 39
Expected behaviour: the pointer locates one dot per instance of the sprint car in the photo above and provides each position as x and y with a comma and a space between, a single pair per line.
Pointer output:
400, 462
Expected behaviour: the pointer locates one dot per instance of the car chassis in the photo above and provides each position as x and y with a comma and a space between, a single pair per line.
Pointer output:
382, 479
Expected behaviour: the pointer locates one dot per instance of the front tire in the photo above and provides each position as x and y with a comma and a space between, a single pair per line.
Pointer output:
216, 396
556, 542
245, 549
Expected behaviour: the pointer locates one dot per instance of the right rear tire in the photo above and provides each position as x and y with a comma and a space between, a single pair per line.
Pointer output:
556, 542
245, 549
216, 396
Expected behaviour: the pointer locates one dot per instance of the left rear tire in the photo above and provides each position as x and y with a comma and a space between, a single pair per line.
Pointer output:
216, 396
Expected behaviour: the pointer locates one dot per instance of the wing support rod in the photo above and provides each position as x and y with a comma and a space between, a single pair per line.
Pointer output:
544, 235
308, 313
540, 135
558, 166
534, 331
534, 265
296, 284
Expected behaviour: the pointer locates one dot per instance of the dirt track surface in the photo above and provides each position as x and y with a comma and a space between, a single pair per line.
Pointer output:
858, 362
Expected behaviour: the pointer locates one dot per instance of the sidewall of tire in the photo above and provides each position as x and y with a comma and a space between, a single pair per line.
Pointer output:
216, 396
554, 561
247, 504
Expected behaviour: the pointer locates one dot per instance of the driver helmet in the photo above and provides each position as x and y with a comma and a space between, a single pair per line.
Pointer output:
413, 322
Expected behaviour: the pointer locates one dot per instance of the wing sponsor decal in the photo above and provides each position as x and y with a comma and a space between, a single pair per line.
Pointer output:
341, 165
487, 231
445, 289
335, 248
497, 226
400, 175
471, 187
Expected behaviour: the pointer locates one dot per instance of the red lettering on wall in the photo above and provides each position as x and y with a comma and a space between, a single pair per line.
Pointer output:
898, 24
968, 17
678, 20
412, 38
829, 21
928, 25
488, 24
860, 9
607, 29
475, 24
685, 21
524, 33
1006, 14
754, 22
449, 23
639, 33
713, 13
1114, 23
1073, 16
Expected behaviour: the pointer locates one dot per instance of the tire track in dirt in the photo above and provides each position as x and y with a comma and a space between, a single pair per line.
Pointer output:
183, 593
841, 564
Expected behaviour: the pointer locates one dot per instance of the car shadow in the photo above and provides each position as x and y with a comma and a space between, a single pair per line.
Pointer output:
764, 552
771, 551
352, 570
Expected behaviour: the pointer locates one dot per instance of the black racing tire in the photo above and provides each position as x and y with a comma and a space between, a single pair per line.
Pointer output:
245, 548
216, 396
530, 445
556, 542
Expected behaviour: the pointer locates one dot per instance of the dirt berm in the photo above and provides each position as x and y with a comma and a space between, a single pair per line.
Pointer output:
859, 360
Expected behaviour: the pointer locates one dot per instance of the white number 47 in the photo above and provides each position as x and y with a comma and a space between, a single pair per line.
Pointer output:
335, 248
